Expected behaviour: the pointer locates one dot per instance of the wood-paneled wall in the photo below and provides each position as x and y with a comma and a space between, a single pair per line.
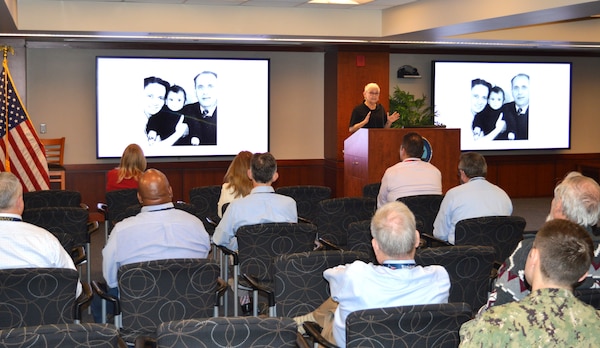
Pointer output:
520, 176
90, 179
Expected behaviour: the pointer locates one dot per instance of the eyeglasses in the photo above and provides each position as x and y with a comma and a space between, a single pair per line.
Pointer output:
374, 93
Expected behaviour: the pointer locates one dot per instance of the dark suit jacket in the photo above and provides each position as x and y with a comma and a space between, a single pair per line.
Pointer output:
515, 123
205, 128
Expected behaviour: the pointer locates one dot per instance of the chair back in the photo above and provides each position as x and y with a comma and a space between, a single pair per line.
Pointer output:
589, 296
258, 244
117, 203
432, 325
336, 214
299, 284
501, 232
61, 221
51, 198
469, 268
133, 210
153, 292
425, 209
37, 296
61, 335
205, 199
359, 239
371, 190
55, 150
228, 332
307, 197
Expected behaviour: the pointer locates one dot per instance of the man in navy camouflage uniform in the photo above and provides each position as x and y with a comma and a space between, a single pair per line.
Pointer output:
550, 316
577, 199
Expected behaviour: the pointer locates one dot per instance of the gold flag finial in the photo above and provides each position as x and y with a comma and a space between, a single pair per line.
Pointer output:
6, 49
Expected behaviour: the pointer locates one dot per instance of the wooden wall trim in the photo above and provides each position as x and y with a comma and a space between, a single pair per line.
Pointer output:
520, 176
90, 179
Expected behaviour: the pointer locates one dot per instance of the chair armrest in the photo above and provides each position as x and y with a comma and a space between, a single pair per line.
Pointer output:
78, 255
102, 208
213, 220
432, 241
326, 245
145, 342
93, 226
301, 341
101, 290
82, 300
304, 220
256, 285
227, 251
313, 330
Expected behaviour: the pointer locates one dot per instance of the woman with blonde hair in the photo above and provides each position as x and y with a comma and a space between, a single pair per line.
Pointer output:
127, 174
236, 183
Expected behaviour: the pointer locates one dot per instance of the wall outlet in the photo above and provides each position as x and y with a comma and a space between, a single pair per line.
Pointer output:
43, 128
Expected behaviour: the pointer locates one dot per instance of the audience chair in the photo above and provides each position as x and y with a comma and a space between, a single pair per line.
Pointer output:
359, 239
258, 245
425, 209
298, 279
469, 268
501, 232
40, 296
153, 292
432, 325
225, 332
52, 198
371, 190
62, 335
205, 199
336, 214
115, 208
307, 198
70, 225
589, 296
55, 150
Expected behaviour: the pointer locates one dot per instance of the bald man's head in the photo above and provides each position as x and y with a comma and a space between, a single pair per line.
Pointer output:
154, 188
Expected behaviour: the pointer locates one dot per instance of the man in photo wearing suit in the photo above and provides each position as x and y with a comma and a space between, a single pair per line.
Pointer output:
201, 116
516, 113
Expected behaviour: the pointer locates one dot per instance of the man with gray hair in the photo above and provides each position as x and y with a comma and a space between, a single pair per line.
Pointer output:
23, 245
397, 281
577, 199
550, 316
475, 197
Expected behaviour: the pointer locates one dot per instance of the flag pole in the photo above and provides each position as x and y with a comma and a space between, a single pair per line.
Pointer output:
5, 50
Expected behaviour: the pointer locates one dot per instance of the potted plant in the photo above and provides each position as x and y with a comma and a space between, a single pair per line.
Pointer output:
414, 112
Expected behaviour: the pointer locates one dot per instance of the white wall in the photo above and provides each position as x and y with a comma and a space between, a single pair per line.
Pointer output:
585, 114
61, 92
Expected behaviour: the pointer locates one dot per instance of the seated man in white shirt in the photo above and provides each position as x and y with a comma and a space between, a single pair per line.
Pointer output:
262, 205
398, 281
475, 197
411, 176
157, 232
23, 245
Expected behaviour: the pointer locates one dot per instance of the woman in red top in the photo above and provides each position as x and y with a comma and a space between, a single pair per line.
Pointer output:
126, 175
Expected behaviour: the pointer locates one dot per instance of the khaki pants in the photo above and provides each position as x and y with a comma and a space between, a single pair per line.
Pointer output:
322, 316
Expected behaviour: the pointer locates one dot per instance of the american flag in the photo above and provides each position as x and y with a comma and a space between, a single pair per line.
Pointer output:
21, 151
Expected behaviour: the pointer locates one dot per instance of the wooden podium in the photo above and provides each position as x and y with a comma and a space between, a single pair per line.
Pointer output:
369, 152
